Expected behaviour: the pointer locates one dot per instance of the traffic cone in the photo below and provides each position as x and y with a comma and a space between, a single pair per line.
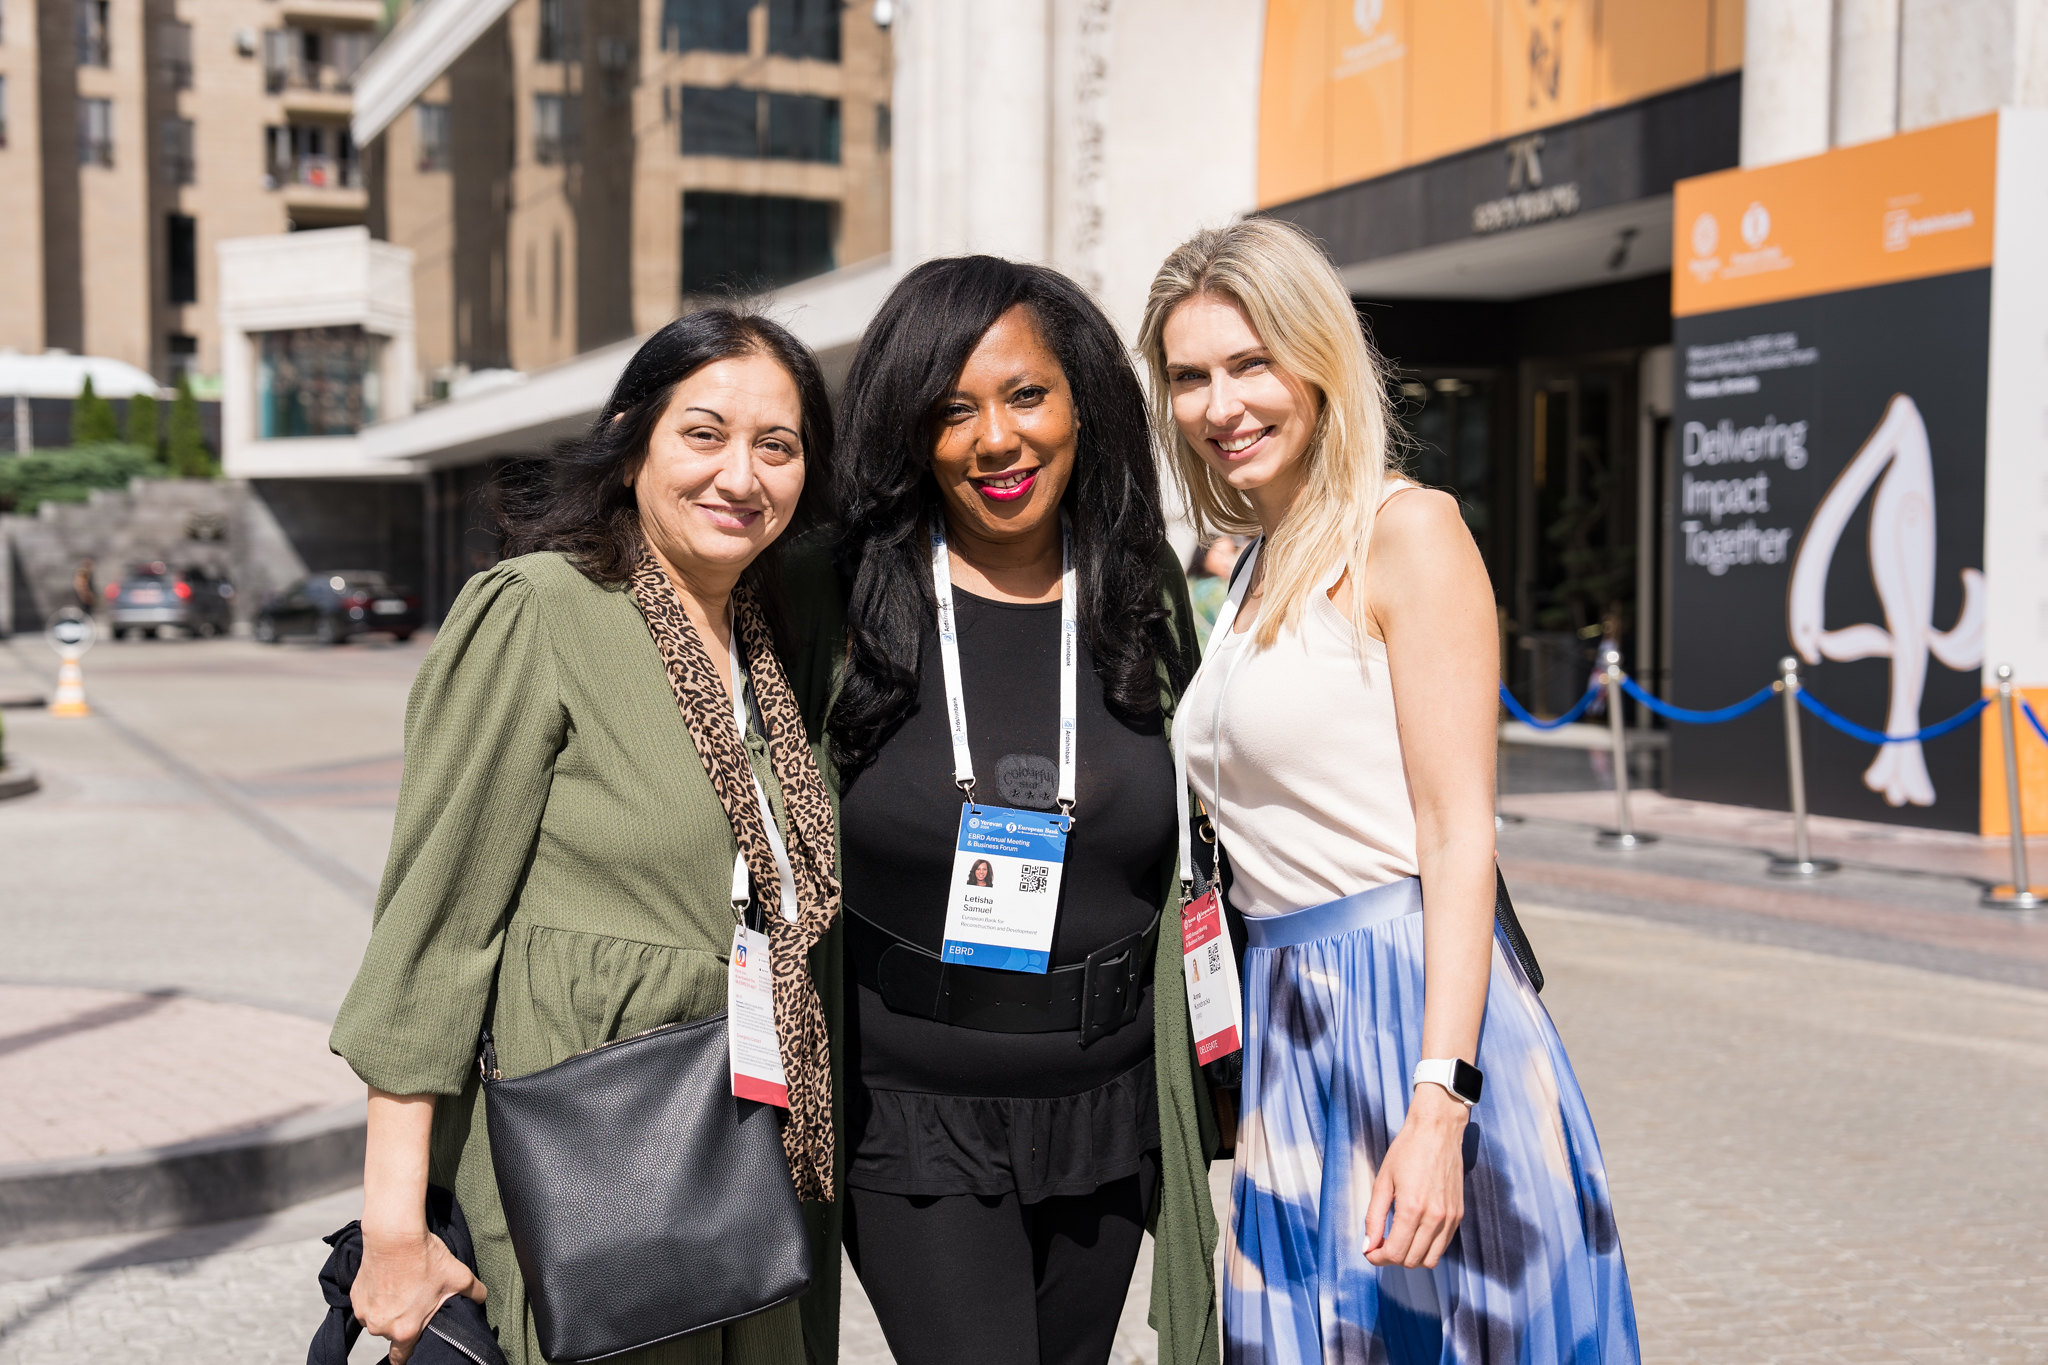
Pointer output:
70, 698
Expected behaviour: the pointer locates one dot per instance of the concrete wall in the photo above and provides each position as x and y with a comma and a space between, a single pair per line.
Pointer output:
262, 534
1829, 73
21, 171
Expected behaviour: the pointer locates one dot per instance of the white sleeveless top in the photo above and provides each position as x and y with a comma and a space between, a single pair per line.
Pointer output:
1295, 752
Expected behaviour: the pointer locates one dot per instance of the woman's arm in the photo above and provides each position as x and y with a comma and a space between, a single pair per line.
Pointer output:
407, 1273
1428, 595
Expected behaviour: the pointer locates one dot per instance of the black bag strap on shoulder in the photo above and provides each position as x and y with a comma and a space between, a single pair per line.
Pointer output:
1511, 930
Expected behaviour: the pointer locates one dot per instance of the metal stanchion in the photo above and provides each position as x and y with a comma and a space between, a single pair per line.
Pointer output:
1802, 863
1624, 834
2021, 894
1501, 818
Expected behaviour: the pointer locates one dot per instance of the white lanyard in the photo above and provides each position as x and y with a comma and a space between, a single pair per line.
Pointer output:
740, 887
949, 656
1226, 621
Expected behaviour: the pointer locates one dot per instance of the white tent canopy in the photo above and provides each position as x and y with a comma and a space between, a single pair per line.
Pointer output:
62, 376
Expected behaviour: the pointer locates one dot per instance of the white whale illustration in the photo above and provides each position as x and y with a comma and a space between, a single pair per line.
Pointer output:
1902, 565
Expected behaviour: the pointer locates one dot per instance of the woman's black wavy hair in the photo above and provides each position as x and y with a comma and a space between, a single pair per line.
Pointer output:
579, 504
909, 359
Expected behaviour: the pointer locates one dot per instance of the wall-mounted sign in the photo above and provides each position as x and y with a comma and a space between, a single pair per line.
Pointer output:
1831, 467
1528, 199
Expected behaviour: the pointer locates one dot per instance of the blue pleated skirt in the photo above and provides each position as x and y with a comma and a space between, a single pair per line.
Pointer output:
1333, 1013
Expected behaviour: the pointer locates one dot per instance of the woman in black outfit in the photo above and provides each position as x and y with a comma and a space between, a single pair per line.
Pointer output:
1004, 1136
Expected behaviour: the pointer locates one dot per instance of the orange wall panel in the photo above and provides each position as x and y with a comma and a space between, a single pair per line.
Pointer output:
1994, 816
1727, 36
1546, 62
1453, 75
1368, 88
1651, 45
1294, 101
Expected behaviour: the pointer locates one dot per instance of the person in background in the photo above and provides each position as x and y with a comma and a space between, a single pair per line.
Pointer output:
1209, 580
83, 589
1418, 1181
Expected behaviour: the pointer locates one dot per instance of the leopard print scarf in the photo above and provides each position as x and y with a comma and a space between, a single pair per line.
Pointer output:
807, 810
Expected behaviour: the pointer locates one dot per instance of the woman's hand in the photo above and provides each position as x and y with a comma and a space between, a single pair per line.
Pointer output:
1422, 1181
403, 1281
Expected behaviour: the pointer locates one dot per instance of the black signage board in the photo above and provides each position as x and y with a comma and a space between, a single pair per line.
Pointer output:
1773, 403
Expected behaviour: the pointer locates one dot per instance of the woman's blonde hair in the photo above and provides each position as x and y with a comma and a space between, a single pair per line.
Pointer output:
1301, 311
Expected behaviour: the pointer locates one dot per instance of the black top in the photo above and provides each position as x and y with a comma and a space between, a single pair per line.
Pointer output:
940, 1109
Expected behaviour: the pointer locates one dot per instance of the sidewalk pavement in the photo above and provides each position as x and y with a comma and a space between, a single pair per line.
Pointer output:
1820, 1104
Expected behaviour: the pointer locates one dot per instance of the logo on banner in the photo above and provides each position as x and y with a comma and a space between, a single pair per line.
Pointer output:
1896, 458
1378, 48
1756, 226
1706, 235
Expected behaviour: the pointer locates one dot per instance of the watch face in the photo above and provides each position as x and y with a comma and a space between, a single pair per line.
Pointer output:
1466, 1080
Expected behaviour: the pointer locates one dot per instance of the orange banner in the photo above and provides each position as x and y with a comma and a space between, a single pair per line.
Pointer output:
1904, 208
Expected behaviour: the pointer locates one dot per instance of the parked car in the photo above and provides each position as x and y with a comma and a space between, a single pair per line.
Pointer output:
156, 597
337, 606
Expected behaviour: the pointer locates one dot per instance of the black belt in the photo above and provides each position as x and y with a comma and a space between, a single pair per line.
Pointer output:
1094, 998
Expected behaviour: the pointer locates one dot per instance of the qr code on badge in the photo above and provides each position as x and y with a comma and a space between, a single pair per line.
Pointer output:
1033, 877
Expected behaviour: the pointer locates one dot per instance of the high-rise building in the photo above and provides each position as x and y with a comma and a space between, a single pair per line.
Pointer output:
135, 135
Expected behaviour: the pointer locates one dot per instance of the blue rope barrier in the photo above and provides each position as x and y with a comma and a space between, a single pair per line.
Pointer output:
2034, 720
1870, 736
1685, 716
1516, 709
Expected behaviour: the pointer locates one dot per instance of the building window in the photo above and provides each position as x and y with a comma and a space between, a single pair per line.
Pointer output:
174, 54
721, 121
179, 168
346, 51
554, 128
804, 28
319, 156
316, 381
431, 121
561, 30
704, 25
90, 34
752, 242
3, 112
181, 238
95, 132
885, 130
802, 128
183, 354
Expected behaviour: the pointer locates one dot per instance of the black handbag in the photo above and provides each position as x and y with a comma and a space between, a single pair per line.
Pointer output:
644, 1200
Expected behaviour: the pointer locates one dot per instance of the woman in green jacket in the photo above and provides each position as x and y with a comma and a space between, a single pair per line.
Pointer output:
1022, 1095
575, 795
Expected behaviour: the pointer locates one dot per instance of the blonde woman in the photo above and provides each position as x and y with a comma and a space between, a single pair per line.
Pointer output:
1417, 1175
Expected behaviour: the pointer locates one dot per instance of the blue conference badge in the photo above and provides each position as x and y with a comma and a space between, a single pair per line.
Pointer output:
1005, 894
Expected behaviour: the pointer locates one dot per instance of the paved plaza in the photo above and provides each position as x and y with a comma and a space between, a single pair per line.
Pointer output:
1822, 1107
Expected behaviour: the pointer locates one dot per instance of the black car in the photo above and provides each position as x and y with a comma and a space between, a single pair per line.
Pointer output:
157, 598
337, 606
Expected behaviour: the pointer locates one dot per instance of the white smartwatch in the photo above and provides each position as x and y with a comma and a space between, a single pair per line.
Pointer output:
1454, 1074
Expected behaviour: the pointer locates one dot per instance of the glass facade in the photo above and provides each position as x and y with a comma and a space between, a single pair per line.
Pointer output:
748, 242
316, 381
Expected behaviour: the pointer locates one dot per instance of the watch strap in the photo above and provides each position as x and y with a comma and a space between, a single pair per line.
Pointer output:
1462, 1079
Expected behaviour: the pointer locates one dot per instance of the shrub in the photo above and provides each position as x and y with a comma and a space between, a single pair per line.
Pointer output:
92, 418
185, 448
142, 422
29, 481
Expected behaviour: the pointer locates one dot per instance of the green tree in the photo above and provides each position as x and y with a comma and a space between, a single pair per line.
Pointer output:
185, 447
142, 422
92, 418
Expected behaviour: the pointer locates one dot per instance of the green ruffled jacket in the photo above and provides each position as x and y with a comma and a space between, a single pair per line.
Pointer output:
560, 871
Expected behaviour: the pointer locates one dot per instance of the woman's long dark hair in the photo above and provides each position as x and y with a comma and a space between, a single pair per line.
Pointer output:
579, 503
909, 359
